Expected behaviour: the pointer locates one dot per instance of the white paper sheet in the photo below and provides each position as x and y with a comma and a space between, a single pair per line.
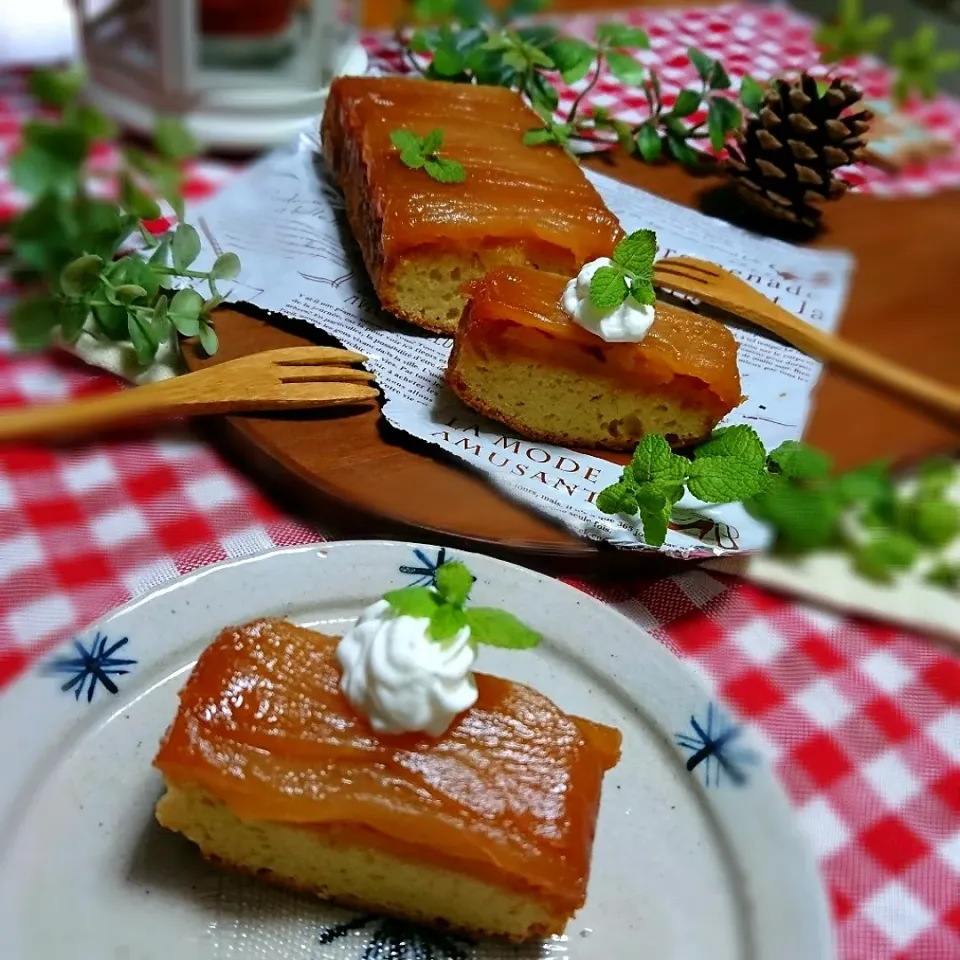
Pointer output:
285, 219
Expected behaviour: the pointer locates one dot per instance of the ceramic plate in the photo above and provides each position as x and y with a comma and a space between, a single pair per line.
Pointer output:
697, 855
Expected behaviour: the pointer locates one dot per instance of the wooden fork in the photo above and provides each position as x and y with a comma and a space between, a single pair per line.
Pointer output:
720, 288
293, 378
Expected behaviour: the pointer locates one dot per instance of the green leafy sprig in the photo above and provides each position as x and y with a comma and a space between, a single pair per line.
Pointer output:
473, 44
630, 274
67, 243
916, 60
882, 528
668, 131
445, 608
422, 153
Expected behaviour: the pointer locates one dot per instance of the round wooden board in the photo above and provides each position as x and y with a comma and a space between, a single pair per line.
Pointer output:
353, 470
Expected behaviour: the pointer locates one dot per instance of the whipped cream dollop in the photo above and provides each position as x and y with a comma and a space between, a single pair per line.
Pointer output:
627, 323
399, 678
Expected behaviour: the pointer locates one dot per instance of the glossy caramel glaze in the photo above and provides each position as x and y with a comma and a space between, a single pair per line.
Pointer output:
511, 791
511, 192
681, 347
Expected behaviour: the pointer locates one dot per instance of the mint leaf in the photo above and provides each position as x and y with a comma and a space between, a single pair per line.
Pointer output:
454, 582
803, 519
413, 159
936, 476
933, 522
654, 458
636, 253
497, 628
723, 479
655, 511
944, 574
884, 555
868, 485
608, 288
620, 497
625, 68
738, 441
445, 171
800, 462
413, 601
405, 141
432, 142
446, 621
642, 291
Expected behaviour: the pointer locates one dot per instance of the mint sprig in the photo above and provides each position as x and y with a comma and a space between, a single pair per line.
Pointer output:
792, 489
630, 274
469, 42
445, 607
69, 243
423, 153
916, 60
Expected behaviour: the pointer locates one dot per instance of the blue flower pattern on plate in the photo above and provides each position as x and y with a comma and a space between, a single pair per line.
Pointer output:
394, 940
93, 667
426, 573
711, 745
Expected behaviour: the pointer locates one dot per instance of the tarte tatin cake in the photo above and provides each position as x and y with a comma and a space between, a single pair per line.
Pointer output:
487, 829
520, 359
420, 239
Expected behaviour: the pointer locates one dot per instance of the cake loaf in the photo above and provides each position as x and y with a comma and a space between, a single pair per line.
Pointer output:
420, 239
487, 829
520, 359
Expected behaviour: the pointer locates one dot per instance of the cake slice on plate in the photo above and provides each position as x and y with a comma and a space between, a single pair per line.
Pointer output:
422, 239
271, 768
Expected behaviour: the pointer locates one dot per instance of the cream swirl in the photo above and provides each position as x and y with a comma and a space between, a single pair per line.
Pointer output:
628, 323
399, 678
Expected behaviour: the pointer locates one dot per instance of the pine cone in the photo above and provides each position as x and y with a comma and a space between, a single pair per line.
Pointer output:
786, 154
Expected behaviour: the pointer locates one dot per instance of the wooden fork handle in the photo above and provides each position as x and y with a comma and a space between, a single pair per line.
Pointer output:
63, 421
176, 397
934, 398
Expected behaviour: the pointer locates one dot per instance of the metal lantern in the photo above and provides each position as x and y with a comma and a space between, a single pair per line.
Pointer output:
239, 73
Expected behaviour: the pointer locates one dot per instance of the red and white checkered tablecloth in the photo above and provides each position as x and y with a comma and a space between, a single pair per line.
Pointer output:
862, 722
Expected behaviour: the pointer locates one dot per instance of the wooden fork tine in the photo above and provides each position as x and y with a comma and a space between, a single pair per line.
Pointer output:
324, 394
322, 373
663, 274
312, 356
674, 264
